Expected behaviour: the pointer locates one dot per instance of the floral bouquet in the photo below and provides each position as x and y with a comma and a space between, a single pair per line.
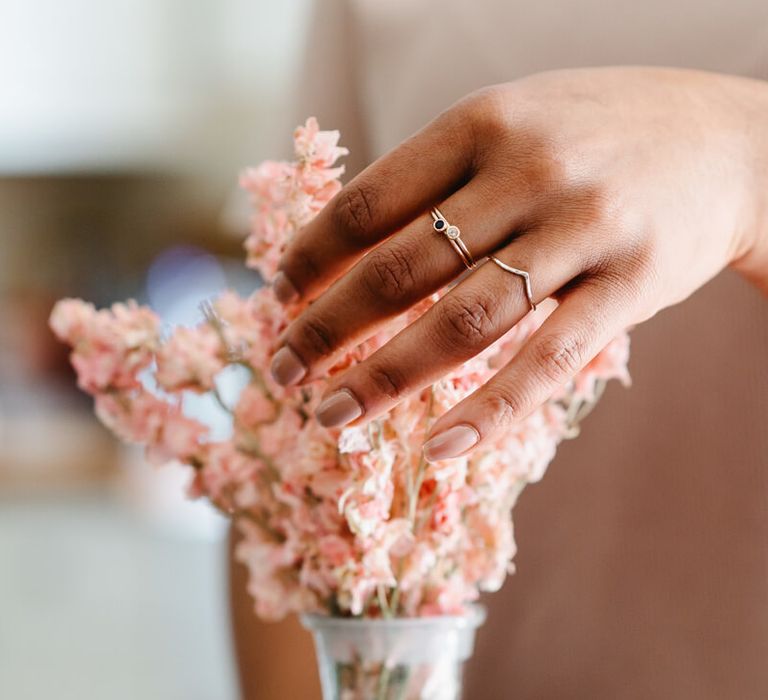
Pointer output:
350, 523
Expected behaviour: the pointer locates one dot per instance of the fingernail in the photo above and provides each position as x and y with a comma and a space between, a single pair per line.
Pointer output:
283, 288
338, 409
450, 443
286, 367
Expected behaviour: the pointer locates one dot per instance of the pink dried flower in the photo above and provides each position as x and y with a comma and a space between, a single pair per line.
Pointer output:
286, 196
317, 149
110, 347
254, 408
190, 359
352, 521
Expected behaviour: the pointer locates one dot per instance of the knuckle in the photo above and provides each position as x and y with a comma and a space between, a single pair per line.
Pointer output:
353, 214
387, 381
503, 406
546, 167
633, 272
483, 121
538, 169
486, 97
643, 261
317, 337
596, 207
642, 284
301, 264
560, 356
485, 108
466, 321
388, 275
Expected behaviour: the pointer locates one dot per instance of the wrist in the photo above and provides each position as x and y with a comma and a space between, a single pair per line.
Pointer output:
752, 261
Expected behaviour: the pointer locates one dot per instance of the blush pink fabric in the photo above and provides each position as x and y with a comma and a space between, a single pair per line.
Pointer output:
643, 554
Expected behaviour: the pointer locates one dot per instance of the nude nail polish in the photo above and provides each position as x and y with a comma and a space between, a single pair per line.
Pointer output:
283, 288
338, 409
286, 367
451, 443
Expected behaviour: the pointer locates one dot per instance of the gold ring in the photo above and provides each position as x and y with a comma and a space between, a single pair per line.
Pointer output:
520, 273
453, 234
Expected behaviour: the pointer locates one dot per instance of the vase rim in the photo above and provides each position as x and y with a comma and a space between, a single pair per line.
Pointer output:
473, 617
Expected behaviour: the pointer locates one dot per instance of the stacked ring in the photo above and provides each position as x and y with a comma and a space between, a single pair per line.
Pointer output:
520, 273
453, 234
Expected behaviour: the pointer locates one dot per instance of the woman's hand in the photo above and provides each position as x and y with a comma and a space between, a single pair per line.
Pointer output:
621, 191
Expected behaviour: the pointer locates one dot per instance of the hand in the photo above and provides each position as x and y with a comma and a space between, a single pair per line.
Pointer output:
621, 191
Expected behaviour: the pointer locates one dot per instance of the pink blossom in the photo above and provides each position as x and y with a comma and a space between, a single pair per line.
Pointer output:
71, 319
334, 549
227, 472
178, 439
135, 418
354, 439
286, 196
190, 359
329, 520
110, 347
254, 408
317, 148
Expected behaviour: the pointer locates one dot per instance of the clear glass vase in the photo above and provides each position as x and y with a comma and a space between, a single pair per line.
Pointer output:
393, 659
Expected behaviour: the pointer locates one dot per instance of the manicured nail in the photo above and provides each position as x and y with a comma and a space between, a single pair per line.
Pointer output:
450, 443
338, 409
286, 367
284, 289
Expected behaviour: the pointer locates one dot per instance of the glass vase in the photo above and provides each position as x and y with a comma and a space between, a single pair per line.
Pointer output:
393, 659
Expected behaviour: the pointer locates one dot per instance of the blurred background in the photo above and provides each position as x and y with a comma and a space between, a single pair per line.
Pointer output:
122, 131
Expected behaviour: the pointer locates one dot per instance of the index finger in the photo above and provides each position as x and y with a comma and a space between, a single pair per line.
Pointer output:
387, 195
